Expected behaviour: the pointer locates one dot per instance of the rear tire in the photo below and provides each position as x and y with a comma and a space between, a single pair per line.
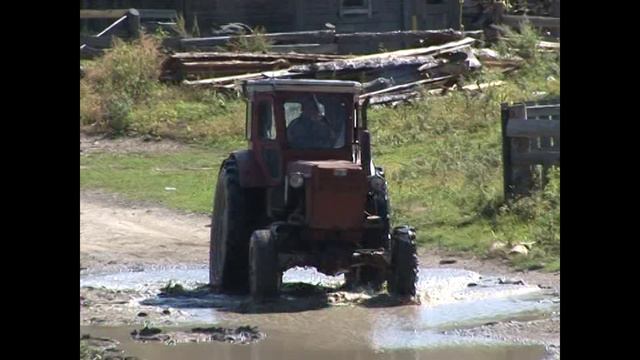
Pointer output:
404, 263
264, 275
231, 225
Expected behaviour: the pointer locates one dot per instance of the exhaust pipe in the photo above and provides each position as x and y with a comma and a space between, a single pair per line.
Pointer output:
365, 150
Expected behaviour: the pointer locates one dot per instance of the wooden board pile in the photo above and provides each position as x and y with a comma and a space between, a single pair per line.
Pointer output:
388, 76
195, 65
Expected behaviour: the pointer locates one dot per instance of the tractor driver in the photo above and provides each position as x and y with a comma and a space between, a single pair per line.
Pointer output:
311, 129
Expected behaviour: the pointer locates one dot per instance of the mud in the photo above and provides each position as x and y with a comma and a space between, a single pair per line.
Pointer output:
101, 348
469, 308
238, 335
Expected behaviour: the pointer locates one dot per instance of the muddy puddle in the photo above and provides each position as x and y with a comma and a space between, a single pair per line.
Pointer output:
323, 324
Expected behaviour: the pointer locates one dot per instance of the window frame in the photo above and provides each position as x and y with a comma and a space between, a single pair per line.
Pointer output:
261, 134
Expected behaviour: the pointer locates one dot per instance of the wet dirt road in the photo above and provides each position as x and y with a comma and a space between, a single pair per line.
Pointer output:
464, 313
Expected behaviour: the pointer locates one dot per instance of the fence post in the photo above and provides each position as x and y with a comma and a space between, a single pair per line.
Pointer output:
506, 153
520, 174
133, 20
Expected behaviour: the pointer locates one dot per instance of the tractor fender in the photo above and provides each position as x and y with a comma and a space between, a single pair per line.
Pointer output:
251, 174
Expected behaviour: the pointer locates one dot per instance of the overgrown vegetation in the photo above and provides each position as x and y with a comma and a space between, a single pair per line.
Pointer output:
442, 155
256, 43
121, 94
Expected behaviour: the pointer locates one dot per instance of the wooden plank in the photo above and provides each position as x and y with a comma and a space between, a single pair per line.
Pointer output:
231, 79
532, 128
548, 45
102, 14
247, 56
405, 86
316, 37
537, 21
543, 110
428, 37
536, 157
238, 66
116, 13
430, 50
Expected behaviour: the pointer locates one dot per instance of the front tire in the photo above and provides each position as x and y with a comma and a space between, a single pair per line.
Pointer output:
404, 263
264, 275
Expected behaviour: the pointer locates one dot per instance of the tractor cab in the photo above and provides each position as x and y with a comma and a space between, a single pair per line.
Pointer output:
309, 133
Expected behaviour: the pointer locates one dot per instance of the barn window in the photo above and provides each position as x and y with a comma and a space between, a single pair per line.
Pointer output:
349, 7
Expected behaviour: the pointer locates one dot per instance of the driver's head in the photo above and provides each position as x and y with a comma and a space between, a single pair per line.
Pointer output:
311, 110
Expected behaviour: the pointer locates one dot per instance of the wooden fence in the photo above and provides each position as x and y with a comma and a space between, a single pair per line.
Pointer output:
530, 144
126, 25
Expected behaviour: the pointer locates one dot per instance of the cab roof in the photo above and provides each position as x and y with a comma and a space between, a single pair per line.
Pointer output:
302, 85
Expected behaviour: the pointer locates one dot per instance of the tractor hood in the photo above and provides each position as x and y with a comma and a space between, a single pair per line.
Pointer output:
335, 193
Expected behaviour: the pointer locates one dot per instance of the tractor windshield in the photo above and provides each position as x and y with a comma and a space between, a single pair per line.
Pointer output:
316, 121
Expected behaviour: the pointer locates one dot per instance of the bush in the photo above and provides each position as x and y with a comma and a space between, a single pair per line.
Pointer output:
256, 43
118, 107
126, 74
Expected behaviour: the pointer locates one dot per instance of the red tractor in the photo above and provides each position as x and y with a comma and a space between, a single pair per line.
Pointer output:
306, 193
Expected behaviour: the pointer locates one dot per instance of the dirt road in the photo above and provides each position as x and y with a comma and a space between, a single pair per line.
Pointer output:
129, 251
115, 234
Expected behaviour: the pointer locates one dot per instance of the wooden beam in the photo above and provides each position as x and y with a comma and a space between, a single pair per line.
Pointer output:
102, 14
405, 86
533, 128
431, 50
536, 157
316, 37
231, 79
543, 110
116, 13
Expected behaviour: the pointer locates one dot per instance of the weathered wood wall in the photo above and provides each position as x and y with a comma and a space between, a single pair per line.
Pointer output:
297, 15
530, 144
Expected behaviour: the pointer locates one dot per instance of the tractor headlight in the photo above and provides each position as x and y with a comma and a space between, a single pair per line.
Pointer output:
377, 183
296, 180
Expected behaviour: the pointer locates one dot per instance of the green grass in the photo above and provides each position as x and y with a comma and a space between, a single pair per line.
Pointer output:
442, 157
192, 173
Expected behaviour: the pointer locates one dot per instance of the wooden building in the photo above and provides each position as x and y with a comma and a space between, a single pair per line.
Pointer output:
298, 15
